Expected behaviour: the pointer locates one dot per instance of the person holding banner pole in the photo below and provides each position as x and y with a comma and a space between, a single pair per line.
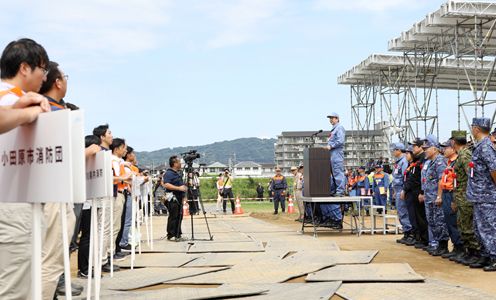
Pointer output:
121, 179
54, 89
23, 68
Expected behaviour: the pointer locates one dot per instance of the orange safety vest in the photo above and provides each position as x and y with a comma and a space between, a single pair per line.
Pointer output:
351, 180
15, 90
448, 181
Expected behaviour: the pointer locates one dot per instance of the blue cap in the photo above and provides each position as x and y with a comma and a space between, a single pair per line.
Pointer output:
361, 168
417, 142
333, 115
484, 123
378, 166
397, 146
408, 149
448, 143
430, 141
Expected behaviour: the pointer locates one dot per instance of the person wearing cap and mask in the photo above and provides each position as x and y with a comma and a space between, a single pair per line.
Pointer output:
399, 169
335, 144
278, 186
447, 186
432, 195
411, 191
380, 186
464, 208
481, 191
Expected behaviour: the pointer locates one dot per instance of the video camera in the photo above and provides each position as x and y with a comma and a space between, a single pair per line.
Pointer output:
190, 156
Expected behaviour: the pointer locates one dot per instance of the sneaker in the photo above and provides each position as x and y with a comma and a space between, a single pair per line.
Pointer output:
119, 256
126, 248
180, 239
106, 268
81, 274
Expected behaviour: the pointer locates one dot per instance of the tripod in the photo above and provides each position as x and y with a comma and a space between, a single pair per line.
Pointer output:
193, 183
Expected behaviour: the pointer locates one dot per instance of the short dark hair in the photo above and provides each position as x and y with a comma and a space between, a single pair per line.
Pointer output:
172, 160
100, 130
460, 140
116, 143
71, 106
129, 150
21, 51
52, 75
90, 140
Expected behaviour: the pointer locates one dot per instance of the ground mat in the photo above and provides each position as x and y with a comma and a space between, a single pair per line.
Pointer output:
430, 289
271, 270
172, 260
298, 245
394, 272
230, 259
203, 247
298, 291
139, 278
337, 257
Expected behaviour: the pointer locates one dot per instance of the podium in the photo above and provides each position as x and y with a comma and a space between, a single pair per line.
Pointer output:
317, 172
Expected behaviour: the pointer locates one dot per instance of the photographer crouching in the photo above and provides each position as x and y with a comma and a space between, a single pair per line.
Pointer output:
173, 183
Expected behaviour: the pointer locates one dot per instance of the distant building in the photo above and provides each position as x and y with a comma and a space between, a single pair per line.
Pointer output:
268, 170
360, 146
248, 168
215, 167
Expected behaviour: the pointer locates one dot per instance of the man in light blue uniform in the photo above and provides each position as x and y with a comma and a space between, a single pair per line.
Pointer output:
400, 166
335, 145
481, 191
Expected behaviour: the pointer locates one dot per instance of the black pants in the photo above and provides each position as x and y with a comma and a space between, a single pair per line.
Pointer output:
279, 197
174, 219
420, 220
84, 241
227, 193
260, 197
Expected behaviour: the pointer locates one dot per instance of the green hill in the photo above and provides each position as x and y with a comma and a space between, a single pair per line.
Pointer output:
244, 149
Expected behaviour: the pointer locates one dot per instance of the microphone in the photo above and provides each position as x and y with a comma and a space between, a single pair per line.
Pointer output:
320, 131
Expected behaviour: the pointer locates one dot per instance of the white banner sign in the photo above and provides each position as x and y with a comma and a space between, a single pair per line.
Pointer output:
99, 176
41, 162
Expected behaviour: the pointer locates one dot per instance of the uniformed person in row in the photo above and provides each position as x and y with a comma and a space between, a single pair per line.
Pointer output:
411, 191
481, 191
278, 186
380, 187
464, 208
432, 196
399, 169
447, 186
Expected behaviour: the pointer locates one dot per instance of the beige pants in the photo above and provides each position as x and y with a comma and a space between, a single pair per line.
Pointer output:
118, 204
15, 251
52, 265
299, 202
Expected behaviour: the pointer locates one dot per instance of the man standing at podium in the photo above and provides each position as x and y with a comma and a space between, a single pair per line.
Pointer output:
335, 145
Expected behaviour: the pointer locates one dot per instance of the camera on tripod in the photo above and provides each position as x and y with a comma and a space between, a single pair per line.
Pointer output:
190, 156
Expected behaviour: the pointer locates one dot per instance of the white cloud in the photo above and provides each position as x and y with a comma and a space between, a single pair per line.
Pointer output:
241, 21
109, 26
367, 5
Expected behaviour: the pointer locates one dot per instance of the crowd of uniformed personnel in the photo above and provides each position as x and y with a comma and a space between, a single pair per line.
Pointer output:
442, 192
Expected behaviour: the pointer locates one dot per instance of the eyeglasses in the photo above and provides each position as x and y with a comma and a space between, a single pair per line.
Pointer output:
66, 77
45, 70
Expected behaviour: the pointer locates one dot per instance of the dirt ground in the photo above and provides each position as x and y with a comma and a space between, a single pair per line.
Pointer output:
392, 252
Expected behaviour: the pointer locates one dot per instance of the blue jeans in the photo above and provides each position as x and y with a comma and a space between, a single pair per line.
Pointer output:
127, 223
402, 208
450, 219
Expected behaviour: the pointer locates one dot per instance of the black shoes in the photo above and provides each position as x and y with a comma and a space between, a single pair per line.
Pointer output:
480, 263
106, 268
491, 267
403, 239
457, 250
441, 249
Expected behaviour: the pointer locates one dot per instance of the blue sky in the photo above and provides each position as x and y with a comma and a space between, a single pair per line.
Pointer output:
167, 73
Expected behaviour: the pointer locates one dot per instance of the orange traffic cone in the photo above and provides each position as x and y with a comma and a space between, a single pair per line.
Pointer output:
290, 205
237, 208
185, 209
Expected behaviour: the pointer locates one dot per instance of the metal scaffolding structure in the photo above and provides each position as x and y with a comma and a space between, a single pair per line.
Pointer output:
453, 48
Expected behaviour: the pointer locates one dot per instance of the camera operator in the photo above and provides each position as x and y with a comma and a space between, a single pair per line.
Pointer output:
173, 183
227, 191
